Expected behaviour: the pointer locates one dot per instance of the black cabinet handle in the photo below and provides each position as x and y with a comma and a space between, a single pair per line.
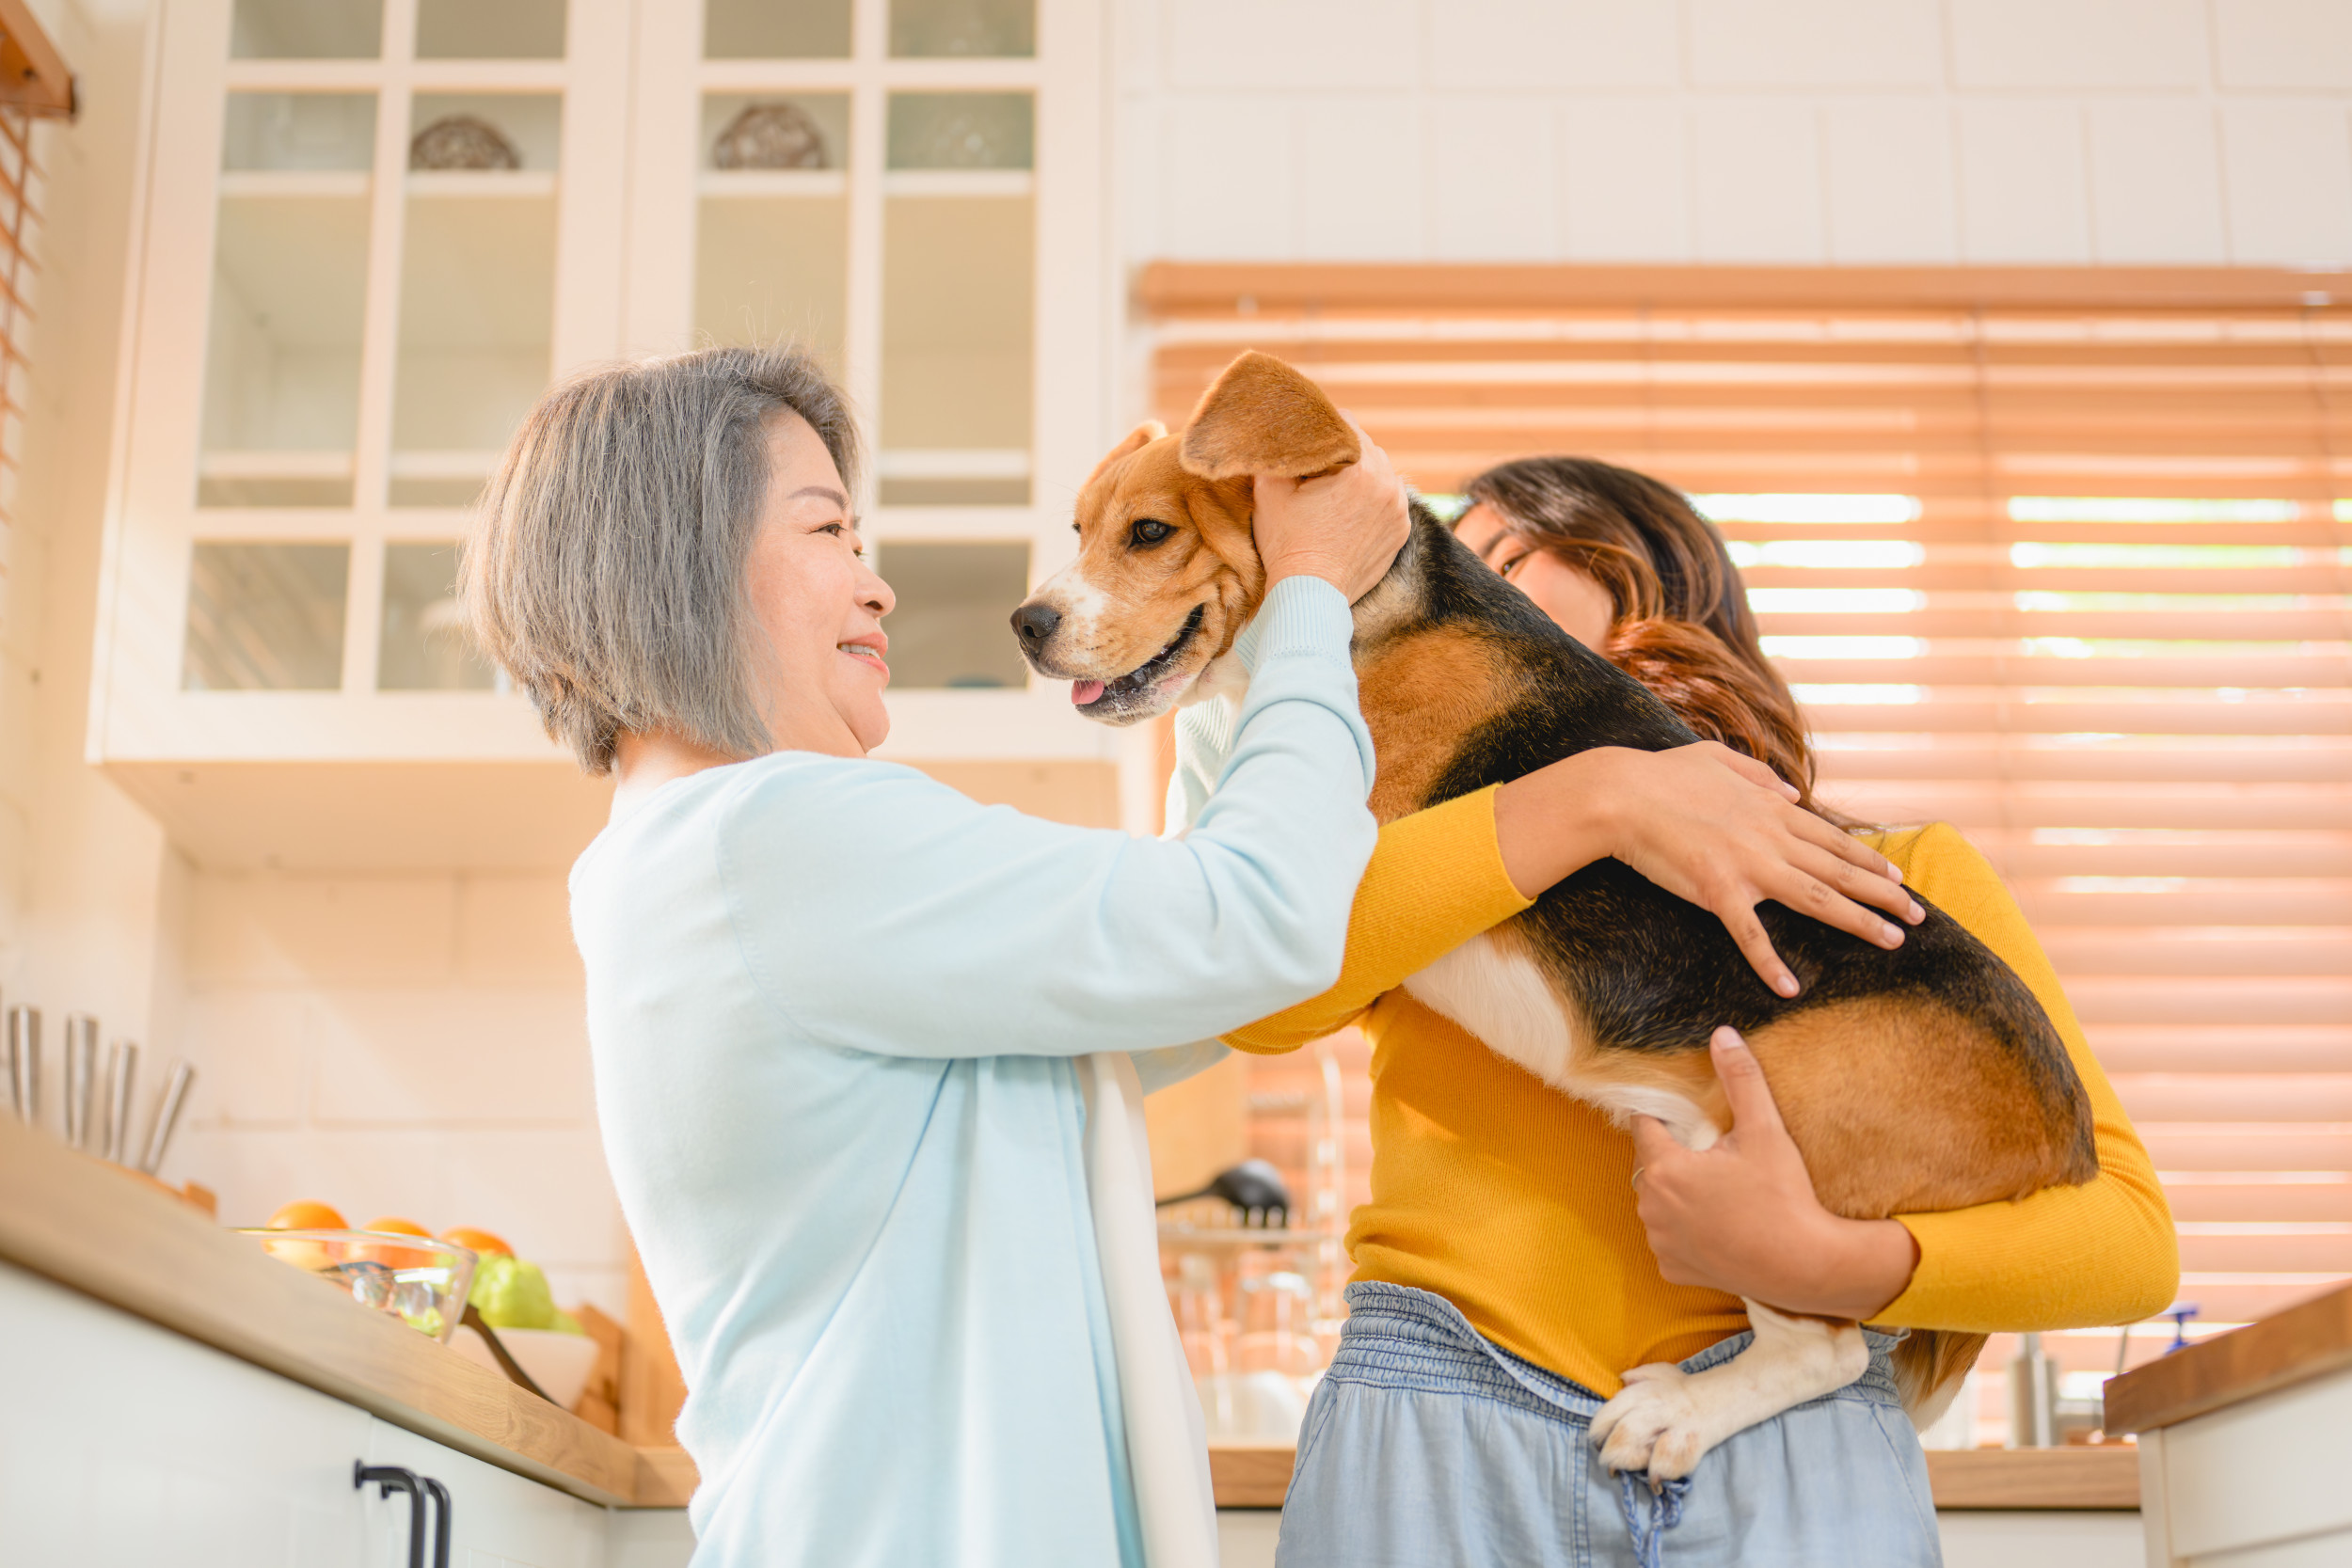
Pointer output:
442, 1521
391, 1478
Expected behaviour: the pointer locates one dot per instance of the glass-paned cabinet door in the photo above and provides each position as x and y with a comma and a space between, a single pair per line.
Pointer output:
772, 221
951, 626
490, 29
265, 617
305, 29
423, 644
959, 278
289, 299
989, 28
776, 29
477, 287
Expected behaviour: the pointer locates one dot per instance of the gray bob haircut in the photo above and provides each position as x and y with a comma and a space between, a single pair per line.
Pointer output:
605, 567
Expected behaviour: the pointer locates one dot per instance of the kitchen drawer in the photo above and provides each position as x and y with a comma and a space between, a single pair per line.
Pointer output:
2257, 1482
123, 1444
500, 1519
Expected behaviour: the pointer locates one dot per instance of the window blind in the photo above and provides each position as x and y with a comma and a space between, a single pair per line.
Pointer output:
2062, 557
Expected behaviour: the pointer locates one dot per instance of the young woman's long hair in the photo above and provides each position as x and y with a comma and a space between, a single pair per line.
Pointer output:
1681, 623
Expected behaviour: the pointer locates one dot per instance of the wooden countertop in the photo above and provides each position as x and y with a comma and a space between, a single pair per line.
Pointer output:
1256, 1475
80, 1222
2294, 1346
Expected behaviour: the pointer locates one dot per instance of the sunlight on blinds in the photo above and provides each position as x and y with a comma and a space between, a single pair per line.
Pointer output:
2062, 557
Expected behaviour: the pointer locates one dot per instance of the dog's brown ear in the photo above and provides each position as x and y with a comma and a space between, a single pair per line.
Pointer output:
1261, 416
1137, 439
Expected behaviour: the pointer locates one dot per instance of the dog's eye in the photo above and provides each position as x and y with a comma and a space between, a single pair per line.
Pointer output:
1149, 531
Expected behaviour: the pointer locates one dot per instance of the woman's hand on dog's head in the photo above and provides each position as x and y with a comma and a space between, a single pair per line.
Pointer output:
1344, 527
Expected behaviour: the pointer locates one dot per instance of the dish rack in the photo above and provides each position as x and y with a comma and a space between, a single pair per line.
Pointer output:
1258, 1306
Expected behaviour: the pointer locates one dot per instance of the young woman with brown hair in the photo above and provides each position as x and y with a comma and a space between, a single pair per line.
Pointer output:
1519, 1254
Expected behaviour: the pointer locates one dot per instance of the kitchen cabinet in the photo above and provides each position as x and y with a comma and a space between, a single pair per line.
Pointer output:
370, 232
2244, 1442
122, 1442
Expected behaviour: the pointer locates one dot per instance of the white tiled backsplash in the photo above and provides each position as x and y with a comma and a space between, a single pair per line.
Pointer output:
403, 1045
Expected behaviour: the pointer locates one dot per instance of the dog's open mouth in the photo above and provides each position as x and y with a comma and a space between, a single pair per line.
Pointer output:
1086, 694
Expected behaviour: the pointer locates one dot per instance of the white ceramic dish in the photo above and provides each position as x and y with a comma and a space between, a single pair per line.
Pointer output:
559, 1363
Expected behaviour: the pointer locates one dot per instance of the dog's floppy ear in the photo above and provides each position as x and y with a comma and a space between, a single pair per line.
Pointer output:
1137, 439
1261, 416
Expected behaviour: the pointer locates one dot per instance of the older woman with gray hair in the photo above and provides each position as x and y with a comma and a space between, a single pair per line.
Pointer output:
868, 1055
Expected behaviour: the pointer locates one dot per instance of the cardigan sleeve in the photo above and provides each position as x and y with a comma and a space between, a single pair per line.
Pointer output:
1436, 880
2066, 1257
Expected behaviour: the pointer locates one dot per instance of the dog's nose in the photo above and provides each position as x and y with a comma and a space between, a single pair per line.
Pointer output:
1035, 623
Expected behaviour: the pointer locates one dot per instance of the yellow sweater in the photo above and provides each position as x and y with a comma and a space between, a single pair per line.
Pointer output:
1515, 1203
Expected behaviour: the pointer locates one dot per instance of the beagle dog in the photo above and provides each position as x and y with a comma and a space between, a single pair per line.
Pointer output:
1609, 987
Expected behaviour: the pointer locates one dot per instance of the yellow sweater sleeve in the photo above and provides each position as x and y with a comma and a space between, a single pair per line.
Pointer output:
2066, 1257
1436, 880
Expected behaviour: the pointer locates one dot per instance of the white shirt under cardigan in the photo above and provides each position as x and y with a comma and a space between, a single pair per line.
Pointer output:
840, 1017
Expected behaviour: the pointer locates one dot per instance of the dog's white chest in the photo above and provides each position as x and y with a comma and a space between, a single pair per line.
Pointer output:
1499, 995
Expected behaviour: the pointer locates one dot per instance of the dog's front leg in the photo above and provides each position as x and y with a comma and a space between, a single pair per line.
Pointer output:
1664, 1419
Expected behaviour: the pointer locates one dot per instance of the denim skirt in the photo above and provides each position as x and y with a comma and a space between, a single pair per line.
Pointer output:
1426, 1446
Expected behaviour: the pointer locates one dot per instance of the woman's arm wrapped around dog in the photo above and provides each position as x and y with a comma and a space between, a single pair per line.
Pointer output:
2083, 1257
1740, 1217
1702, 821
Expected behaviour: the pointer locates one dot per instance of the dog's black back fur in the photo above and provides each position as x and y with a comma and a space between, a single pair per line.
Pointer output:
1651, 970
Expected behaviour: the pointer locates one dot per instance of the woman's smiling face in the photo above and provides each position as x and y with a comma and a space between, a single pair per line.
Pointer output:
817, 603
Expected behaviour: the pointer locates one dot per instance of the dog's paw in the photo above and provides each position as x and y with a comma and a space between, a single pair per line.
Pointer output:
1652, 1425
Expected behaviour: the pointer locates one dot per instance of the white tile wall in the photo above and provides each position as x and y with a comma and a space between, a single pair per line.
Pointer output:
1490, 179
1293, 44
399, 1045
1887, 169
2283, 44
2022, 189
2078, 43
1553, 44
1623, 181
2156, 181
2286, 169
1357, 182
1756, 179
1815, 44
1229, 191
2075, 132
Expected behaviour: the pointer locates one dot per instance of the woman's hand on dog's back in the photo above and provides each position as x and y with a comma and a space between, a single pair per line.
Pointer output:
1344, 527
1708, 825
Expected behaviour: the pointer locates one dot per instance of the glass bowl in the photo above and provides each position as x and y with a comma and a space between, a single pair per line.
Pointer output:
418, 1280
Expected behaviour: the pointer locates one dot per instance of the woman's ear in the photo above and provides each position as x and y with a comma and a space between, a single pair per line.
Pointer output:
1261, 416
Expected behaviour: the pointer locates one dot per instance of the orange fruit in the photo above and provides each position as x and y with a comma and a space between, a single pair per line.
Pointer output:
307, 1215
395, 1257
482, 1241
398, 1226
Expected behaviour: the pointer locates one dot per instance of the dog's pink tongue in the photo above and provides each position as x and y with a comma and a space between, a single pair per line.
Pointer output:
1083, 692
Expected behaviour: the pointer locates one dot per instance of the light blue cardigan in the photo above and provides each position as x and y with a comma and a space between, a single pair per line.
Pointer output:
832, 1006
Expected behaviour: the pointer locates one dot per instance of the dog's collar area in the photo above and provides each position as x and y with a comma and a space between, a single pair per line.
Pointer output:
1154, 668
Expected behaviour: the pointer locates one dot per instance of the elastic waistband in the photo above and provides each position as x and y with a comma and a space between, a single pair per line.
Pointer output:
1401, 1337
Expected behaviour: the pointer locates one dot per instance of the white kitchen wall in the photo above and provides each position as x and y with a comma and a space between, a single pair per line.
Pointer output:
1737, 130
83, 871
404, 1045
